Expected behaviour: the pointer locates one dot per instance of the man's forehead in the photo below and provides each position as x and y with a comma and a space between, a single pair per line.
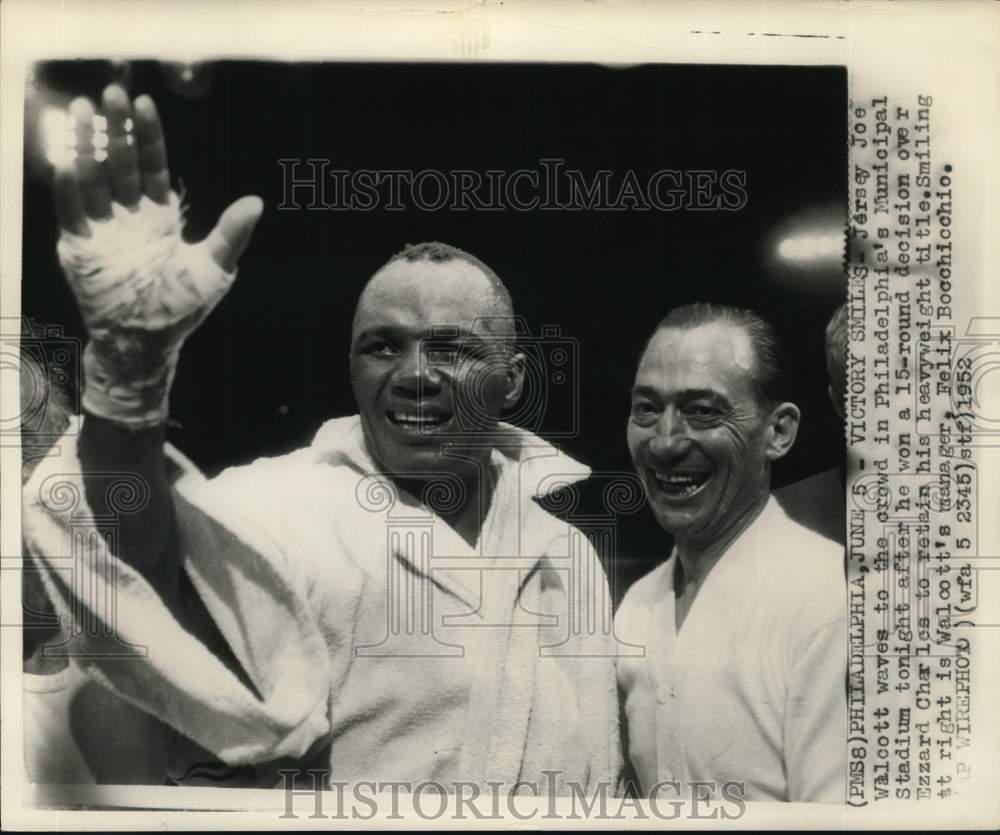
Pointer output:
429, 294
442, 282
718, 350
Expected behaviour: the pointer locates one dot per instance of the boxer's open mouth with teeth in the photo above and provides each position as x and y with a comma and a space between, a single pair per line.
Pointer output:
417, 420
680, 485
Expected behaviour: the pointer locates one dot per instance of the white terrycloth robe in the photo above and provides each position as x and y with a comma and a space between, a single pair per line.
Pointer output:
752, 688
362, 618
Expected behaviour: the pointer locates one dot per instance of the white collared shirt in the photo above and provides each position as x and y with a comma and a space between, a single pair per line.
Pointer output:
753, 686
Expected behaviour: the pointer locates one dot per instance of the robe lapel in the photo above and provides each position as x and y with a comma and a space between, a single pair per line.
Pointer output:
505, 645
504, 594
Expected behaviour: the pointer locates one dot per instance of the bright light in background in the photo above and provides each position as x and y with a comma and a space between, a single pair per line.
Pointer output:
188, 79
804, 252
808, 247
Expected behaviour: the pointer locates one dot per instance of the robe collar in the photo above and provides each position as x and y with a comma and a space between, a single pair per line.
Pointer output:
543, 468
527, 468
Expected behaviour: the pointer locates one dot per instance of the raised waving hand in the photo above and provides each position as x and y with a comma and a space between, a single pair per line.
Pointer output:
141, 289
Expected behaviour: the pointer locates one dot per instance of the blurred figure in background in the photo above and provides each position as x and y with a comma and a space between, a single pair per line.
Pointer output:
817, 502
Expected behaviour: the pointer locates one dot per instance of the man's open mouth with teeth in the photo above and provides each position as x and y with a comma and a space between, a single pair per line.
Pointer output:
417, 420
680, 485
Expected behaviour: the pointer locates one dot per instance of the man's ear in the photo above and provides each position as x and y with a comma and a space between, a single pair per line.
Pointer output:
515, 380
782, 430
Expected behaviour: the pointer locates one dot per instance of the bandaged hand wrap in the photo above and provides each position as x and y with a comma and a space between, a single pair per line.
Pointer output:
141, 291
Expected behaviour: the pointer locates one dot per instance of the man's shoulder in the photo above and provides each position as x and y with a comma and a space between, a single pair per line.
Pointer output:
291, 496
270, 481
817, 502
808, 567
635, 619
331, 458
542, 528
785, 536
268, 466
647, 590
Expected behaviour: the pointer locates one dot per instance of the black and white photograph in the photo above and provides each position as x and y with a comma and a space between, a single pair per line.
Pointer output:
495, 432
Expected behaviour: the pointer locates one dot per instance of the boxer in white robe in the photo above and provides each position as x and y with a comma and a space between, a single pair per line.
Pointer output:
389, 603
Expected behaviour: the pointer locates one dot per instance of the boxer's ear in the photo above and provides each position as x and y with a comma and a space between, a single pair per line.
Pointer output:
782, 429
515, 379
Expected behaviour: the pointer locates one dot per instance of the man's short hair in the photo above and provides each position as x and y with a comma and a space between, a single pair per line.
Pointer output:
772, 373
441, 252
836, 353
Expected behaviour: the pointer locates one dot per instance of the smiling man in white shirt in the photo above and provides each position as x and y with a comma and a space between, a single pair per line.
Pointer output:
745, 625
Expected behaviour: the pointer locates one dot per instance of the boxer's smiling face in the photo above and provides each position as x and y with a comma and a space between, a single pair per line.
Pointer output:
697, 434
425, 382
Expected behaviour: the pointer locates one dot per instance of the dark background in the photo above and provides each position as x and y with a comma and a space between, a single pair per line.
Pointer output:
271, 363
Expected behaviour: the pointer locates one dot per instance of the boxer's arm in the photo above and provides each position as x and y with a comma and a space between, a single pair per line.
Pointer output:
141, 290
146, 538
143, 536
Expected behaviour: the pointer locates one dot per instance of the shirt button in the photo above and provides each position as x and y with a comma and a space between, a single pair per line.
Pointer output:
664, 694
